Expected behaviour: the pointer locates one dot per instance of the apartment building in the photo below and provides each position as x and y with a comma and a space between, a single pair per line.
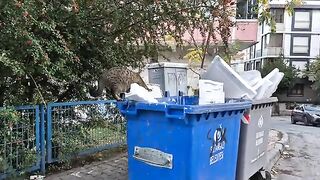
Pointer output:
296, 39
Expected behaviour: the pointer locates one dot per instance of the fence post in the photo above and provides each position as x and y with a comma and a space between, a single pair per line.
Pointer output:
42, 140
49, 133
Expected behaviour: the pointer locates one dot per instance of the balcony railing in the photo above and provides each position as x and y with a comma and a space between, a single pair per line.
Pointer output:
280, 27
272, 51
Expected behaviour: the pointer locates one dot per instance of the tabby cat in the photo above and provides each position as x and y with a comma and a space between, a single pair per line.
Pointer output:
117, 80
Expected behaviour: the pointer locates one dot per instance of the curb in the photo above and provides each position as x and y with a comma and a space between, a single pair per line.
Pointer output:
275, 154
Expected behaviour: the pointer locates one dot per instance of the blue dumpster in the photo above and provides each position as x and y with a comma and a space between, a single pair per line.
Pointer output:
178, 139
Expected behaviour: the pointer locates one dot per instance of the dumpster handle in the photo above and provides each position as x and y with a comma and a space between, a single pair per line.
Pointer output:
126, 109
153, 157
179, 113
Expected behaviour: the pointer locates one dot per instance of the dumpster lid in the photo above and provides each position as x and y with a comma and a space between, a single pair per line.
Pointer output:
167, 65
178, 108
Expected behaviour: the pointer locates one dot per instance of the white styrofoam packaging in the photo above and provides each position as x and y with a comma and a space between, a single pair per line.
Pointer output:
268, 85
155, 90
210, 92
268, 76
138, 93
252, 77
234, 85
261, 91
276, 79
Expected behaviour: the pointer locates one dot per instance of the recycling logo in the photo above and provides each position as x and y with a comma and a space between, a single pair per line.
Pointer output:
218, 142
260, 122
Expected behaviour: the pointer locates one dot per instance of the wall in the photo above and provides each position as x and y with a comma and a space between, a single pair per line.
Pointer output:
309, 94
314, 45
316, 22
246, 30
287, 37
315, 39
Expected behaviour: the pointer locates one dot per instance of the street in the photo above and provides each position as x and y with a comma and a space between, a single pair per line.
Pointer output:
301, 160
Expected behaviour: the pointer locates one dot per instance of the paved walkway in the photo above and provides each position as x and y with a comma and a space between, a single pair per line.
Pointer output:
110, 169
116, 167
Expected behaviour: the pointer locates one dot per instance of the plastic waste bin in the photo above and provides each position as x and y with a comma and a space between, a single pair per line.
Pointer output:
253, 142
176, 139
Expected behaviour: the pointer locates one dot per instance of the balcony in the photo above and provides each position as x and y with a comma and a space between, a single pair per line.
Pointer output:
258, 53
272, 51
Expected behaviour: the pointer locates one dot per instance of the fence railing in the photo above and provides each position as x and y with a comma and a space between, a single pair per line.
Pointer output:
58, 132
19, 140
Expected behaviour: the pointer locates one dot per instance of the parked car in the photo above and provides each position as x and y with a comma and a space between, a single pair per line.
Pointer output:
308, 114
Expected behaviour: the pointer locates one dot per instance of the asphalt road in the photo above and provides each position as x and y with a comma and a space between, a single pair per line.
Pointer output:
301, 160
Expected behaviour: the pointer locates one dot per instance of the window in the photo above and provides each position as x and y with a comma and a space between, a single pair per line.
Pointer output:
297, 90
301, 20
300, 64
276, 40
299, 108
258, 65
300, 45
246, 9
273, 40
278, 15
266, 40
241, 10
248, 66
253, 65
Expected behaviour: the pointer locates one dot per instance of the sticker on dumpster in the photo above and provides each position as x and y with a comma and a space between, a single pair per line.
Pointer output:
218, 139
246, 117
260, 122
259, 138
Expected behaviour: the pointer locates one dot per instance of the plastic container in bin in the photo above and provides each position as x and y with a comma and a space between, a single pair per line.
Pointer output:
176, 139
254, 139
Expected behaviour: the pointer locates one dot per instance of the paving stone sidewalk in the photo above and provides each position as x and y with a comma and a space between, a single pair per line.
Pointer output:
110, 169
116, 167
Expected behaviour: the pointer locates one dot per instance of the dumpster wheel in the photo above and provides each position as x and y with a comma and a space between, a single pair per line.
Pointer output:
258, 176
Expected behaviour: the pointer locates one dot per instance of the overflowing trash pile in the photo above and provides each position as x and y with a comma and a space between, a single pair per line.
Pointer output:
246, 85
219, 82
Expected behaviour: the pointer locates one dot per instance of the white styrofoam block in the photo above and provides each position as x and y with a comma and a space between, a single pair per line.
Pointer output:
208, 85
138, 93
234, 85
252, 77
155, 90
210, 92
268, 76
261, 91
268, 85
212, 98
276, 79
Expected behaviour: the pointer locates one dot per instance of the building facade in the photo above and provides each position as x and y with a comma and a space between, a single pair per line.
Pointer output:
296, 39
